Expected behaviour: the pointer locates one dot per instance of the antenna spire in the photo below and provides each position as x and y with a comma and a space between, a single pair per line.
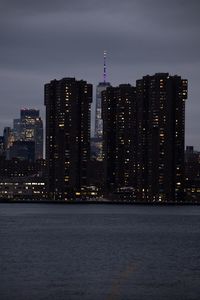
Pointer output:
104, 66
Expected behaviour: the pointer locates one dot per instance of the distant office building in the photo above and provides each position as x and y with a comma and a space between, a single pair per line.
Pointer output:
102, 86
32, 130
23, 150
17, 167
191, 156
160, 137
23, 188
1, 146
192, 163
96, 149
21, 177
68, 103
17, 129
98, 112
192, 174
8, 139
119, 136
38, 138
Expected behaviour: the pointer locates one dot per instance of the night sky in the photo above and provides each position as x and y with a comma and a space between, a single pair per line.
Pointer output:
43, 40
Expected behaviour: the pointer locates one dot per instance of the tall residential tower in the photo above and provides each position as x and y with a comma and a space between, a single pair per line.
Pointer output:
160, 137
119, 135
68, 103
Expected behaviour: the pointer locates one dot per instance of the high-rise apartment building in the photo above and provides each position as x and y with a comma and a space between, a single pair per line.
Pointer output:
119, 130
68, 109
160, 137
143, 138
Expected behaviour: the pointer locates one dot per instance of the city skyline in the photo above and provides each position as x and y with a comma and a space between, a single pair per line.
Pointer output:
66, 39
143, 136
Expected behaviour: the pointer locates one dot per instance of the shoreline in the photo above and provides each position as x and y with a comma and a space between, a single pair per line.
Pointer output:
104, 201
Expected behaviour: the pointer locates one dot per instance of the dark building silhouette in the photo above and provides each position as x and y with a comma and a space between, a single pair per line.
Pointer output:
192, 174
16, 167
119, 129
143, 139
17, 129
1, 146
160, 137
22, 179
192, 163
68, 112
8, 139
23, 150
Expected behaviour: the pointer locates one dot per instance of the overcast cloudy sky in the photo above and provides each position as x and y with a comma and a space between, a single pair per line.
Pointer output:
46, 39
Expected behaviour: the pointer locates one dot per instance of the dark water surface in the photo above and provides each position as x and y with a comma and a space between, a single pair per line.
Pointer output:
51, 251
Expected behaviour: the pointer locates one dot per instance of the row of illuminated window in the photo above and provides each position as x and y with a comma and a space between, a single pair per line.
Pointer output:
17, 183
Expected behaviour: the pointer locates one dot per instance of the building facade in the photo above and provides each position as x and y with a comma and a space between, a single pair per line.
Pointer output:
192, 174
29, 128
23, 150
143, 139
98, 132
119, 129
22, 188
160, 137
68, 110
102, 86
8, 139
32, 130
17, 129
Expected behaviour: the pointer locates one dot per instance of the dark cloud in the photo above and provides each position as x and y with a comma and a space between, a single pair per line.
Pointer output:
42, 40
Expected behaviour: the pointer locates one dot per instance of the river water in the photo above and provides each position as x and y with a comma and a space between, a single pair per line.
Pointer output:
83, 252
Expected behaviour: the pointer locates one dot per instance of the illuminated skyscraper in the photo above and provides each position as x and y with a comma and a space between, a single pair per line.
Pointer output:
68, 111
98, 116
32, 129
8, 139
17, 129
160, 137
28, 130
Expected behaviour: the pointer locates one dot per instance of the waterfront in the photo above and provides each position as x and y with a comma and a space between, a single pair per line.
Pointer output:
99, 252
